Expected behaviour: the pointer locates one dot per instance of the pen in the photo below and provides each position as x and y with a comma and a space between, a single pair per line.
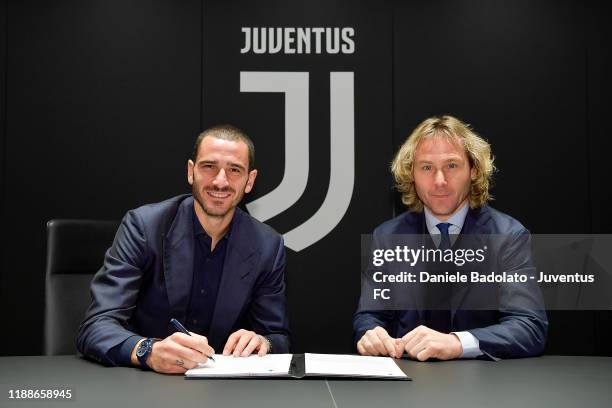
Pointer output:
179, 327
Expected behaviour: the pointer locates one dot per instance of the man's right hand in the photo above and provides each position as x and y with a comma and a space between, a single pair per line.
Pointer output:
377, 342
177, 353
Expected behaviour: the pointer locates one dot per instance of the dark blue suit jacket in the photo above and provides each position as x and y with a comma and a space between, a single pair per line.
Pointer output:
519, 325
147, 275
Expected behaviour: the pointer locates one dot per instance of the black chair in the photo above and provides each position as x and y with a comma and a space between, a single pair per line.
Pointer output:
75, 251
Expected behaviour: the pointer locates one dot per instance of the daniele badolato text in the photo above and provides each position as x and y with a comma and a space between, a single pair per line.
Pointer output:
387, 265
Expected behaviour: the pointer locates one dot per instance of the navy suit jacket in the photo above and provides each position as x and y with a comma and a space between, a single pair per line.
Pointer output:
147, 276
519, 325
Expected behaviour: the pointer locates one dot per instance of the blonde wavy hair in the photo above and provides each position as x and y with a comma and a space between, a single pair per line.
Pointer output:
477, 150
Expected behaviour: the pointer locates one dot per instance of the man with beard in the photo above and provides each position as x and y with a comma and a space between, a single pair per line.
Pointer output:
197, 258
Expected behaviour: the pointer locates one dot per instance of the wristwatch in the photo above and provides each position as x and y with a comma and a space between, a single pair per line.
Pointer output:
142, 353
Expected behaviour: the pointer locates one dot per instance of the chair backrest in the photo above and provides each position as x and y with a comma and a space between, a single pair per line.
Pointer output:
75, 251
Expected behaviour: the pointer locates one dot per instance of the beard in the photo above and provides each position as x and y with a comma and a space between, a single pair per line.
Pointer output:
211, 211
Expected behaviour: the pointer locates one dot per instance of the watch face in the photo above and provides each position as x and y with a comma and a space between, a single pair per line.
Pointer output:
142, 349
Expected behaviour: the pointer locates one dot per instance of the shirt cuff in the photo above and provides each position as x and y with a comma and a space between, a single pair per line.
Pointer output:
121, 354
470, 344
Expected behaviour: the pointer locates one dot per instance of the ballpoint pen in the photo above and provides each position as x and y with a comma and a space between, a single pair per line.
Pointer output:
179, 327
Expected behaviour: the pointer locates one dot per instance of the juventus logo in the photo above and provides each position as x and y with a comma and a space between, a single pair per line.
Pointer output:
342, 142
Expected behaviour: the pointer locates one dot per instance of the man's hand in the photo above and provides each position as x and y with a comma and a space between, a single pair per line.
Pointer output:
243, 343
424, 343
177, 353
377, 342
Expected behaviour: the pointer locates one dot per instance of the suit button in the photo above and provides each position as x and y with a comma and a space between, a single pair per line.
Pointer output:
195, 321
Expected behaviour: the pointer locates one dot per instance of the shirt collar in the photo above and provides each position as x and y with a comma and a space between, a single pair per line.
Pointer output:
199, 230
456, 220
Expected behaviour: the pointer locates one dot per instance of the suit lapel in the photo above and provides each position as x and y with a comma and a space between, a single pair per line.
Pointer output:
236, 280
178, 247
475, 222
414, 224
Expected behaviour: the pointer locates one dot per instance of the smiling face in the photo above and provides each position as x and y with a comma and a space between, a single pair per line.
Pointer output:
219, 177
442, 175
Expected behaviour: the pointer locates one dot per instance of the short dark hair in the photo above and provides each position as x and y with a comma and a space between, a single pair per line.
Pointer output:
226, 132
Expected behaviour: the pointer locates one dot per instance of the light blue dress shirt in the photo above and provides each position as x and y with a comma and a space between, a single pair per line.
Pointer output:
469, 343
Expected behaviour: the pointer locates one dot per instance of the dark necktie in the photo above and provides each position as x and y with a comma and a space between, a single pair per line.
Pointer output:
440, 319
445, 238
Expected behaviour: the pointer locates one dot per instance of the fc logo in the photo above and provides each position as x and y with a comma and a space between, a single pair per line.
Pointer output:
342, 148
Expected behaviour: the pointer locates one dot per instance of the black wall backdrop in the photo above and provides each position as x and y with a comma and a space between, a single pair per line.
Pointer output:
100, 102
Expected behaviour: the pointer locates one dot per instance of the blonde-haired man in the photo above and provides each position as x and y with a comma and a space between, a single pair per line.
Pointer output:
443, 172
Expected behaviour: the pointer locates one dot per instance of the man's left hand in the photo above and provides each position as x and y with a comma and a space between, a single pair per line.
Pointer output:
244, 342
424, 343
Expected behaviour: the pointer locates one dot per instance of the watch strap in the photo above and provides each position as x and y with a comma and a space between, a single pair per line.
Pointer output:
144, 350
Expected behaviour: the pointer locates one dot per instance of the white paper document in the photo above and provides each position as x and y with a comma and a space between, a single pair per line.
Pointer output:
271, 365
299, 366
327, 365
